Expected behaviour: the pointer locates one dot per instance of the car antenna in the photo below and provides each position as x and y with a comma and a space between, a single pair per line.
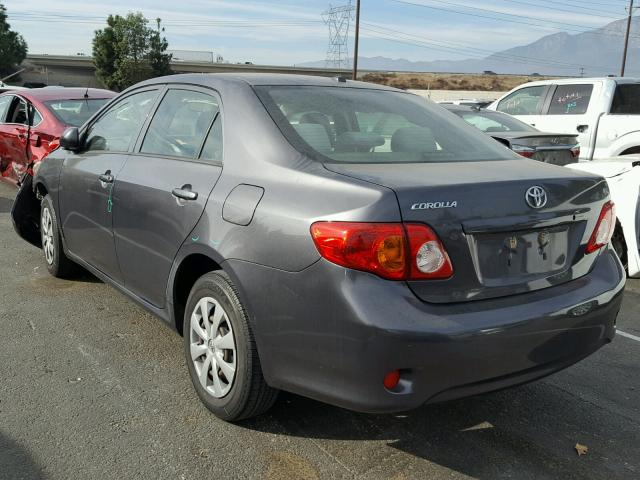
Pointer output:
86, 93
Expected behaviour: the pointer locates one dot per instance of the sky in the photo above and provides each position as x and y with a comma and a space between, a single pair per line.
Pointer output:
286, 32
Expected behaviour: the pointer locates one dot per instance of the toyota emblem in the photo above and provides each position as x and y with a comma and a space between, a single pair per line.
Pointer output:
536, 197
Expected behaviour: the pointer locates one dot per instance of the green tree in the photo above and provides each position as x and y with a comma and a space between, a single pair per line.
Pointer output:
13, 48
127, 51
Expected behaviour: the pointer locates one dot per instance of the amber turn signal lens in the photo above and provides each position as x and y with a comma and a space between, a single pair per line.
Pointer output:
391, 253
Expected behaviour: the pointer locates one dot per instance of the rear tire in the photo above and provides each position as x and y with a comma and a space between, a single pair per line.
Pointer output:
58, 264
221, 352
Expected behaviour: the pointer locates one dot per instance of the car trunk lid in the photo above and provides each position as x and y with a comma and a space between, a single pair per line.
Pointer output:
499, 245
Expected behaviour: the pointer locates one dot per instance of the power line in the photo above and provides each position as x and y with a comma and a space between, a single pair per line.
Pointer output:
559, 9
567, 26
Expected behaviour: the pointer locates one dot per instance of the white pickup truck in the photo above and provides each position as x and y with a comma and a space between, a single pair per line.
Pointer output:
605, 112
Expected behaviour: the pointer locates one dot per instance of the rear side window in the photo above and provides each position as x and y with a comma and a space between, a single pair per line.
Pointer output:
526, 101
626, 100
180, 124
570, 100
356, 125
212, 150
19, 111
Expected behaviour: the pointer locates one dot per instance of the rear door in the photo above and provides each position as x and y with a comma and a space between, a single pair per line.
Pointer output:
88, 181
162, 190
568, 112
526, 104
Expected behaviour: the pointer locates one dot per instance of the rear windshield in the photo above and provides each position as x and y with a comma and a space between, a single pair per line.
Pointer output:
626, 100
350, 125
494, 122
75, 112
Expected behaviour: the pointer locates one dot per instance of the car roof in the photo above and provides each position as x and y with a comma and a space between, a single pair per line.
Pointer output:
254, 79
62, 93
579, 80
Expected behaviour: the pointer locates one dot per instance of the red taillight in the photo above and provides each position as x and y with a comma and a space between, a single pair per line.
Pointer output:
391, 250
604, 228
528, 152
575, 151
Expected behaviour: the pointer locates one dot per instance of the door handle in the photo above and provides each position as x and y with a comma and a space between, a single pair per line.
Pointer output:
184, 193
582, 128
106, 178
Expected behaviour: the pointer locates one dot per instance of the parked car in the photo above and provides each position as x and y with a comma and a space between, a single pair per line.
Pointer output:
471, 102
559, 149
623, 177
51, 110
605, 112
341, 240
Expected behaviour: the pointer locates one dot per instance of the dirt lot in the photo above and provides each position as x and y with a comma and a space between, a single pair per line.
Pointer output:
92, 387
449, 81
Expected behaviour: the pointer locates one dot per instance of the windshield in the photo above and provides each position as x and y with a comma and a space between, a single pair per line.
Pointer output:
350, 125
75, 112
490, 122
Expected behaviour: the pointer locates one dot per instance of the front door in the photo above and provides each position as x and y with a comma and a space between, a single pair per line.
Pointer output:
89, 181
162, 190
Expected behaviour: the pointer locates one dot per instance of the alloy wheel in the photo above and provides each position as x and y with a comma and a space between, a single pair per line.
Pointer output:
46, 227
213, 347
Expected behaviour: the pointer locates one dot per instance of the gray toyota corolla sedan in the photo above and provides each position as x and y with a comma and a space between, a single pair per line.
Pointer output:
344, 241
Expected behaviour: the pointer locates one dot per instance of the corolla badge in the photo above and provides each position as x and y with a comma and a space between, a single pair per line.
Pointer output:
536, 197
434, 205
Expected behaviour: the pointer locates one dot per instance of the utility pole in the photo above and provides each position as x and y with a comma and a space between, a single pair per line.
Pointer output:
357, 41
626, 39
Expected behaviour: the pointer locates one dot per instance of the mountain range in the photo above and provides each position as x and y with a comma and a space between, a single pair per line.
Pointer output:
598, 52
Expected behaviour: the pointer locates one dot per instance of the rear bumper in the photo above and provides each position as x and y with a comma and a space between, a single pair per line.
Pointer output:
332, 334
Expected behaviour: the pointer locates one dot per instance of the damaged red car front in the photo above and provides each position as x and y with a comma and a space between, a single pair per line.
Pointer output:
32, 121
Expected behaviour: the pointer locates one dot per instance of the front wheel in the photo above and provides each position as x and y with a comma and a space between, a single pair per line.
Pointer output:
58, 264
221, 353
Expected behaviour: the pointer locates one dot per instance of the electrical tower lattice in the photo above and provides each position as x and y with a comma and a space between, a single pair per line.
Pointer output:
338, 19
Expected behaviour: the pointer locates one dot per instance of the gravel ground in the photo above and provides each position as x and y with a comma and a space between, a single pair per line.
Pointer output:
94, 387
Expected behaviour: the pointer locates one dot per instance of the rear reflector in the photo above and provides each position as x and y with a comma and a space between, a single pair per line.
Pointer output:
394, 251
604, 228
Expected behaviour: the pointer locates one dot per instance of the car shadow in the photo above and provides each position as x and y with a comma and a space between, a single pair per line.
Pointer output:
16, 462
526, 432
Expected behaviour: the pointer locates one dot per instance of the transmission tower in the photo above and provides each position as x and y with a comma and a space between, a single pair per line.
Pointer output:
338, 19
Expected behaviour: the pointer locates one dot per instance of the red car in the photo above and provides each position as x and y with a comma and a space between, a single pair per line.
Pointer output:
54, 109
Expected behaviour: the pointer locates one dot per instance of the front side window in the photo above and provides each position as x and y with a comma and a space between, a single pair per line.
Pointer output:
75, 112
526, 101
353, 125
570, 100
180, 124
115, 130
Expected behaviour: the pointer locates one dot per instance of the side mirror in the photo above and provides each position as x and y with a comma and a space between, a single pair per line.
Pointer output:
70, 139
